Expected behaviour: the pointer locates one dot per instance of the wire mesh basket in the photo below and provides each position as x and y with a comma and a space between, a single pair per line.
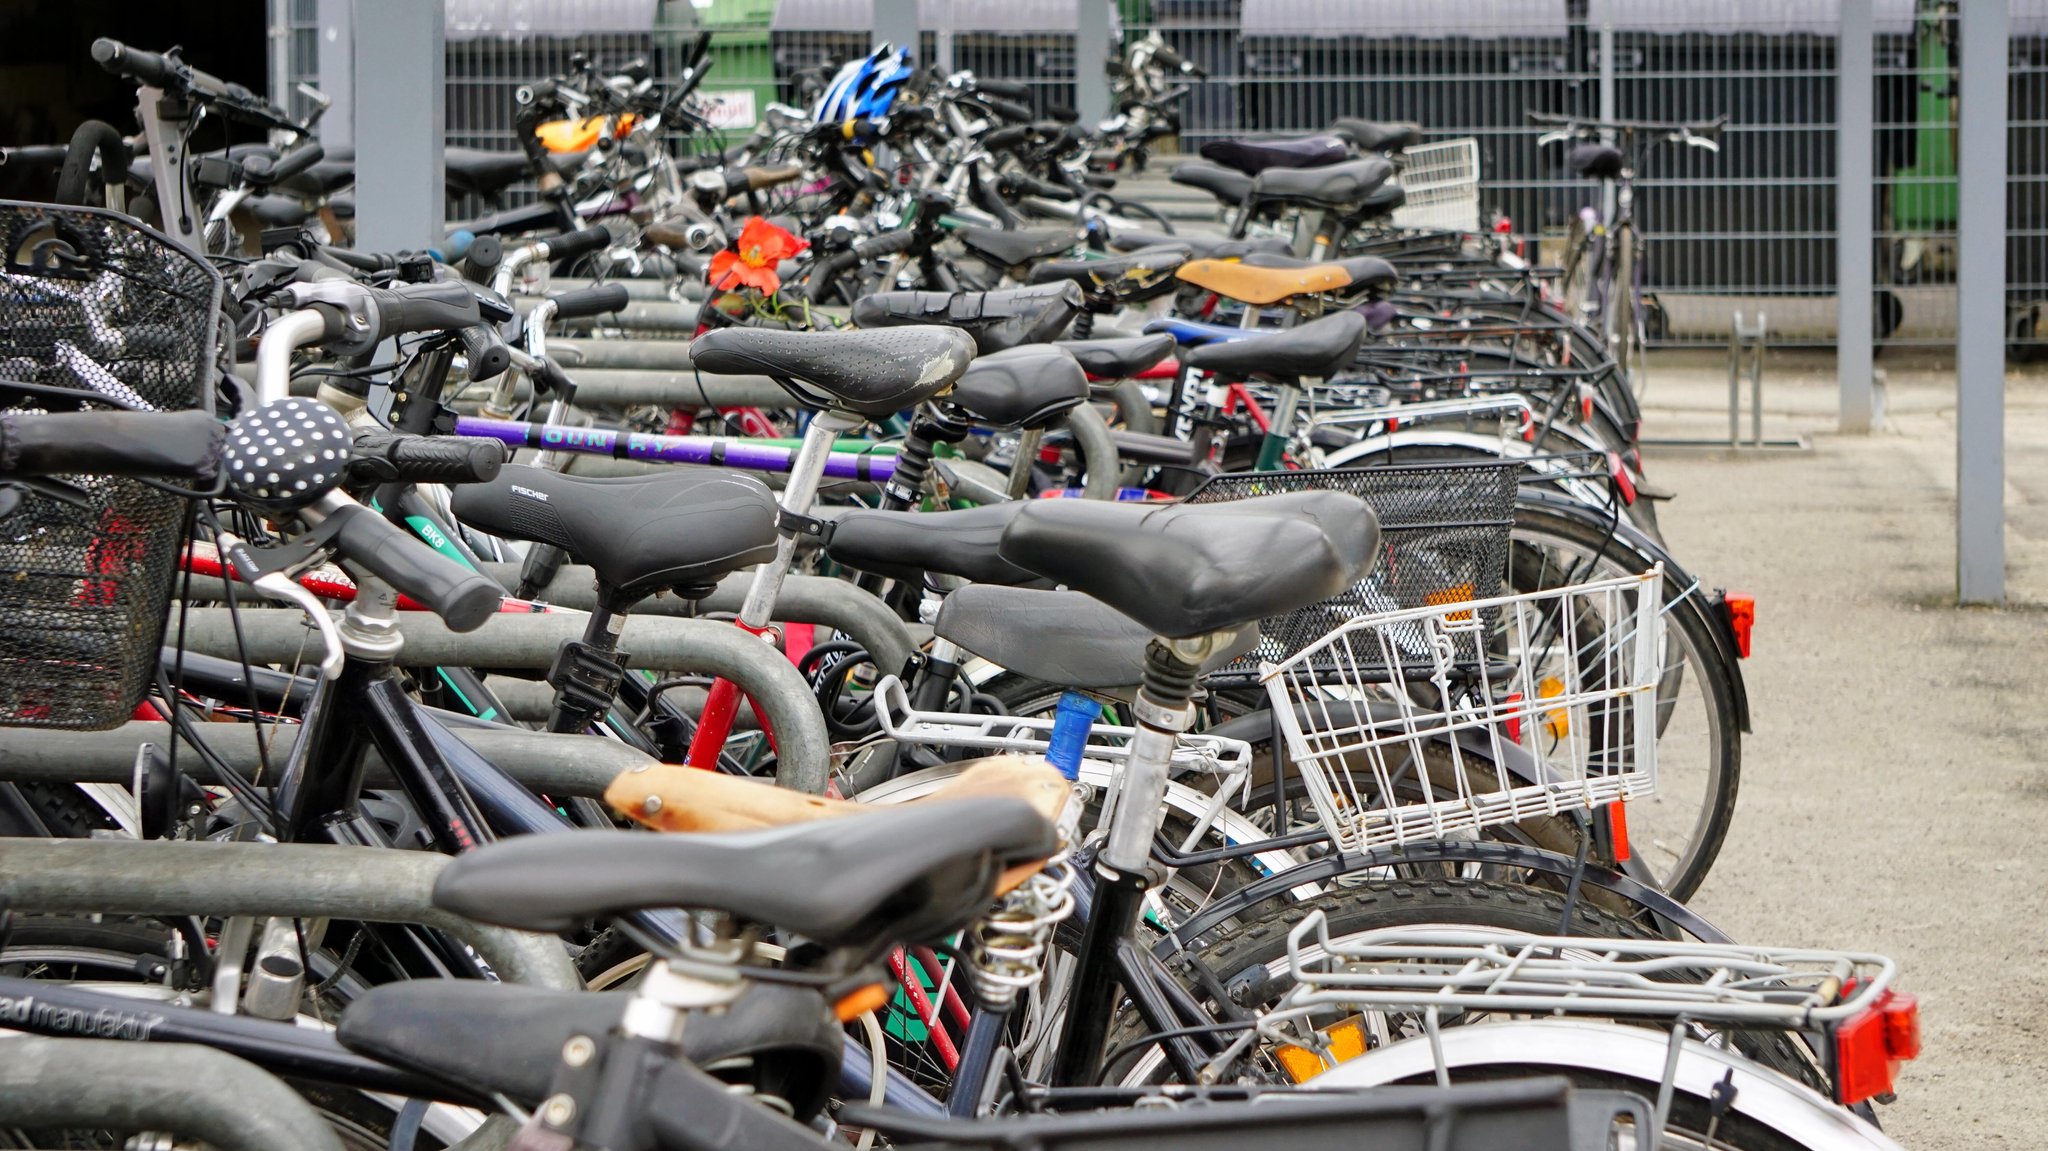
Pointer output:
97, 312
1441, 181
1444, 530
1434, 722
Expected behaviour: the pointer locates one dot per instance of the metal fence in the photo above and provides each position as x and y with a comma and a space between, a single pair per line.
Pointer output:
1750, 229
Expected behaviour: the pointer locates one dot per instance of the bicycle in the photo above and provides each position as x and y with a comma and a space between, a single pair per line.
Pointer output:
1604, 264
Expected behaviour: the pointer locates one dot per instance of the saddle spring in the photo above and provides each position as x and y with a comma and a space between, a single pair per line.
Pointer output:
1006, 948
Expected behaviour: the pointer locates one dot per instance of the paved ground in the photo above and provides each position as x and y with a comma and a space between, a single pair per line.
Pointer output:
1895, 792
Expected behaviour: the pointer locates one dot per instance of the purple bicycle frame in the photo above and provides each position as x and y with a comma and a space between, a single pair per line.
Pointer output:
721, 451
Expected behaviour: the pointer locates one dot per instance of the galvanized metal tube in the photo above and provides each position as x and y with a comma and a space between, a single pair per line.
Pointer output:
530, 641
555, 764
836, 604
184, 1089
300, 880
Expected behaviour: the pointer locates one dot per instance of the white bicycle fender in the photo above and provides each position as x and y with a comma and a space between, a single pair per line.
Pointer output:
1762, 1095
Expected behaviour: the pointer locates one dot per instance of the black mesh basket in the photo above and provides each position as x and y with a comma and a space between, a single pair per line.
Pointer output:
1443, 539
97, 313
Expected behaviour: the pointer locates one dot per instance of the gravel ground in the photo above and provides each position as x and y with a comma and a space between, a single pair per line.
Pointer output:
1895, 789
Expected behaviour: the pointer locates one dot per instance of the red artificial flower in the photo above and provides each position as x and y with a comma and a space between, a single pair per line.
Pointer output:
751, 263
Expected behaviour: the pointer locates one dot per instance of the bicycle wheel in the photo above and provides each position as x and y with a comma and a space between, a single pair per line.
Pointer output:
1676, 832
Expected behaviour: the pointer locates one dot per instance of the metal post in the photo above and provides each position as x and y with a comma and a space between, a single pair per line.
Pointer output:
1855, 272
1092, 48
896, 23
280, 30
1608, 111
335, 50
398, 88
942, 39
1980, 305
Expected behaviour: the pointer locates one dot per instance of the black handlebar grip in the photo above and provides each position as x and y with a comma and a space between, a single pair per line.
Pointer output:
886, 244
265, 171
1004, 89
486, 351
576, 244
592, 301
185, 444
462, 598
1167, 55
133, 63
1033, 186
436, 307
393, 456
485, 253
1009, 110
1008, 137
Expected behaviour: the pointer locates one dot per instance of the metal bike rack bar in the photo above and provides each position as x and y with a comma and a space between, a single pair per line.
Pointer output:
839, 605
638, 355
184, 1089
299, 880
1747, 343
643, 312
621, 388
530, 641
636, 289
555, 764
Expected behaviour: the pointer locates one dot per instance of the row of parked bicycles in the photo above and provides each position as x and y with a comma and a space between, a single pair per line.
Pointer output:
867, 634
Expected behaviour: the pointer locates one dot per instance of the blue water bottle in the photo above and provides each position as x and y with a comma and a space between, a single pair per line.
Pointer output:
1071, 720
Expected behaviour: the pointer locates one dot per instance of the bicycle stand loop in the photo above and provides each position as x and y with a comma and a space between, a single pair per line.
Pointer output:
296, 880
530, 641
1747, 344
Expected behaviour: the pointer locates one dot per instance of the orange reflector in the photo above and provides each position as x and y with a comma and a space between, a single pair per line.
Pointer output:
1457, 593
1558, 722
860, 1001
1347, 1039
1870, 1047
1741, 609
1300, 1063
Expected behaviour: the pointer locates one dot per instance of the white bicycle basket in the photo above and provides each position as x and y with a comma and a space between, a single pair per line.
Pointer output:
1442, 185
1434, 722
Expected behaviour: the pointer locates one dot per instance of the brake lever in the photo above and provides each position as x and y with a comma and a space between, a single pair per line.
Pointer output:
1555, 136
275, 580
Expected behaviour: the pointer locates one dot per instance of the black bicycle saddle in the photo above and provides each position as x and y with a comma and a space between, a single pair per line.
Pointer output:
1377, 136
1318, 349
1118, 357
1008, 248
1190, 569
1004, 318
1343, 185
905, 545
506, 1039
1027, 387
686, 528
869, 373
1254, 156
897, 875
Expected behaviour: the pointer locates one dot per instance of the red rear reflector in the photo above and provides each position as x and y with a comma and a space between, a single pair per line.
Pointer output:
1617, 829
1741, 609
1504, 225
1513, 723
1622, 479
1870, 1047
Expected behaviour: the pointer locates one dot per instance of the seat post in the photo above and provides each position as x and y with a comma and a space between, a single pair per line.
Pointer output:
1280, 428
758, 608
1122, 869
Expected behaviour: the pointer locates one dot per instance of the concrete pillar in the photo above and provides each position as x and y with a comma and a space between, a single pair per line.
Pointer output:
399, 104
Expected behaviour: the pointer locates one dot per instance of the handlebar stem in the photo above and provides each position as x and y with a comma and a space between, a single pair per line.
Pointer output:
292, 331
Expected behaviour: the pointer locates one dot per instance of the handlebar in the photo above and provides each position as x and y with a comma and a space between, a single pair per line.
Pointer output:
174, 75
264, 172
1003, 89
388, 457
461, 597
181, 444
592, 301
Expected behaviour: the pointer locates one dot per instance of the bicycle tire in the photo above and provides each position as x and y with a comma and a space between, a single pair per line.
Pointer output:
1564, 527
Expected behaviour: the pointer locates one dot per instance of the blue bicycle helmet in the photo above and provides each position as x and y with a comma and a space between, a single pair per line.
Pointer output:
865, 89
